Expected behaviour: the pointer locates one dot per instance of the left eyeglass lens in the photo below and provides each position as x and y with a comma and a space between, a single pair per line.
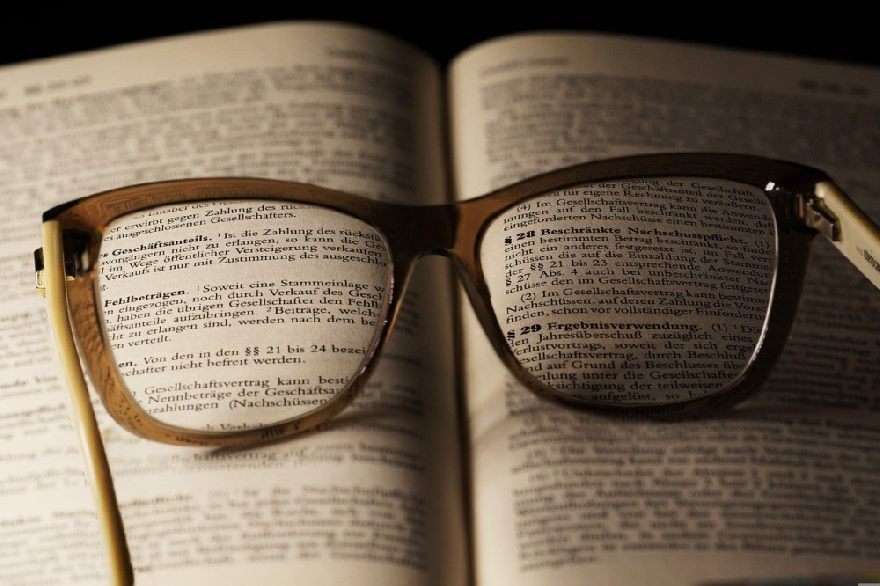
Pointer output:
237, 314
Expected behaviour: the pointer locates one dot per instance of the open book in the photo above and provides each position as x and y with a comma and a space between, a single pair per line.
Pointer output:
445, 471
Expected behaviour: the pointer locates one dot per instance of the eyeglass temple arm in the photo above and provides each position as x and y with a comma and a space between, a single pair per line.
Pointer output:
854, 234
83, 415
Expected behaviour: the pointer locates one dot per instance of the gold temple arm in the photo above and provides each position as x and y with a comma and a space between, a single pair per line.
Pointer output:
834, 214
53, 277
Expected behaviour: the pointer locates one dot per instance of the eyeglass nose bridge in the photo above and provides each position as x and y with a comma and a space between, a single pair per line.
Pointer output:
446, 229
449, 230
413, 232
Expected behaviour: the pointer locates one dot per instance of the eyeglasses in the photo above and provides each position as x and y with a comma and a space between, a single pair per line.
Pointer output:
233, 311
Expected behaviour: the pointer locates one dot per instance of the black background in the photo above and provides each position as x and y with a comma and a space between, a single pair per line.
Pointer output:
842, 31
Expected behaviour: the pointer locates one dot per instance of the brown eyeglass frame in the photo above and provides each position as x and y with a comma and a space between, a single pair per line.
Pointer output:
453, 230
804, 200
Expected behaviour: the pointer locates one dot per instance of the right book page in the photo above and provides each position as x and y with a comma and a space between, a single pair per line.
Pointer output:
785, 486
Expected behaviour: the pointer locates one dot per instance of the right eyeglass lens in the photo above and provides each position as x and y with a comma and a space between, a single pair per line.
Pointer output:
640, 291
238, 314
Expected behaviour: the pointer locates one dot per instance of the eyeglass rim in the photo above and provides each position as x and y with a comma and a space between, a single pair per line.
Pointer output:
792, 251
454, 230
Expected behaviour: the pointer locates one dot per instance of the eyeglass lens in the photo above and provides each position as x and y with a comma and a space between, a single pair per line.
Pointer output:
645, 291
236, 314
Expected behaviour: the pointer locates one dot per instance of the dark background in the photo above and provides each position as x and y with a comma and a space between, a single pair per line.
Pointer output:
842, 31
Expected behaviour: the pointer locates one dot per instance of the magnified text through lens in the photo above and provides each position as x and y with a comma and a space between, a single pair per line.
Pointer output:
237, 314
642, 291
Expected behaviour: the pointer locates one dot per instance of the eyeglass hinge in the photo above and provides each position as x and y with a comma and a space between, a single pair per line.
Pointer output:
75, 247
816, 215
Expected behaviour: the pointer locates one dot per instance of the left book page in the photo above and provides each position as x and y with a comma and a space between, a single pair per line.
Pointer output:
376, 495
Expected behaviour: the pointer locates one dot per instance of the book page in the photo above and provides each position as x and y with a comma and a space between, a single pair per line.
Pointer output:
375, 495
784, 486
